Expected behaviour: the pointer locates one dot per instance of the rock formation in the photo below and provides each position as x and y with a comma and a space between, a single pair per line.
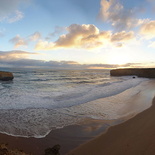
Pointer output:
4, 150
53, 151
140, 72
6, 76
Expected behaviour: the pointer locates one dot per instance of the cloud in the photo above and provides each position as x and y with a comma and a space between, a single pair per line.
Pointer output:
18, 16
148, 29
85, 37
105, 66
35, 36
78, 36
14, 55
122, 36
96, 40
9, 7
22, 59
75, 38
18, 41
76, 33
121, 18
58, 30
19, 58
44, 45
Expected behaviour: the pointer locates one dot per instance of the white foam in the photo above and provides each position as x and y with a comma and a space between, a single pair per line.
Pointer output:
38, 122
34, 96
33, 122
129, 102
94, 93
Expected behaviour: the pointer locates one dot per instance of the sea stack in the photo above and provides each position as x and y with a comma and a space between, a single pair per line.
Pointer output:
140, 72
6, 76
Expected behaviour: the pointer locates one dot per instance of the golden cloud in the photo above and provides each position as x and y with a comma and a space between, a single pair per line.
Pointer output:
148, 29
35, 36
122, 36
18, 41
44, 45
78, 36
76, 33
14, 55
86, 37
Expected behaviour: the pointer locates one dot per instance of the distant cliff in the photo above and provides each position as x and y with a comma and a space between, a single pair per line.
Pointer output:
140, 72
6, 76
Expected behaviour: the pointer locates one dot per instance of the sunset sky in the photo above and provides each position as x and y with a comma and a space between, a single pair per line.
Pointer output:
77, 33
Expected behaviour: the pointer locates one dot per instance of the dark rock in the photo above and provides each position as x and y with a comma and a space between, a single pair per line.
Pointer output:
140, 72
53, 151
6, 76
3, 151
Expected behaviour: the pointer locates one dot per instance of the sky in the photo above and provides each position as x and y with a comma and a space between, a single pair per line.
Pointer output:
77, 34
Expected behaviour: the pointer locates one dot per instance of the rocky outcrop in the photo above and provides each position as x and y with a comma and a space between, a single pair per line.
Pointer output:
6, 76
4, 150
53, 151
140, 72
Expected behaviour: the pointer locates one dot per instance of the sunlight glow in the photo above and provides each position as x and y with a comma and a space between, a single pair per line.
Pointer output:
118, 58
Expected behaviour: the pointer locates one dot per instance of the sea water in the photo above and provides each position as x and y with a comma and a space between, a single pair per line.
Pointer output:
40, 100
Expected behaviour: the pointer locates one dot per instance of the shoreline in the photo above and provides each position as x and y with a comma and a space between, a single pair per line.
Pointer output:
90, 133
75, 138
68, 138
133, 137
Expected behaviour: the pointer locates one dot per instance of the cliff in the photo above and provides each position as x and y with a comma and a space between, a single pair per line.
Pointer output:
6, 76
140, 72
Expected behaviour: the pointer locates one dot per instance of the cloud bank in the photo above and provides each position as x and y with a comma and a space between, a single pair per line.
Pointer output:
85, 37
14, 55
20, 59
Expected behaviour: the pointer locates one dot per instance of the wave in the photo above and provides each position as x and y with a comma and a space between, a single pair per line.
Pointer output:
58, 95
33, 122
38, 122
40, 80
51, 100
87, 94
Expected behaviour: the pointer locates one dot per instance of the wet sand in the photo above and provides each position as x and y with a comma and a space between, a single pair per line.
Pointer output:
68, 137
133, 137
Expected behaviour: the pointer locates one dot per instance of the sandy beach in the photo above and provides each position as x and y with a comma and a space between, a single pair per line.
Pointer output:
68, 138
133, 137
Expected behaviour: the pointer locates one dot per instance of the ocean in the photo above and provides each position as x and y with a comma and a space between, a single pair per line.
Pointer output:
38, 101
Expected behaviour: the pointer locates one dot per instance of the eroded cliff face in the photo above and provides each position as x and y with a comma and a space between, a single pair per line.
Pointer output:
6, 76
140, 72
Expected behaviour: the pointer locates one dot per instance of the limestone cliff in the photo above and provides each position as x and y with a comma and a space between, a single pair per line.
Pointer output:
6, 76
140, 72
